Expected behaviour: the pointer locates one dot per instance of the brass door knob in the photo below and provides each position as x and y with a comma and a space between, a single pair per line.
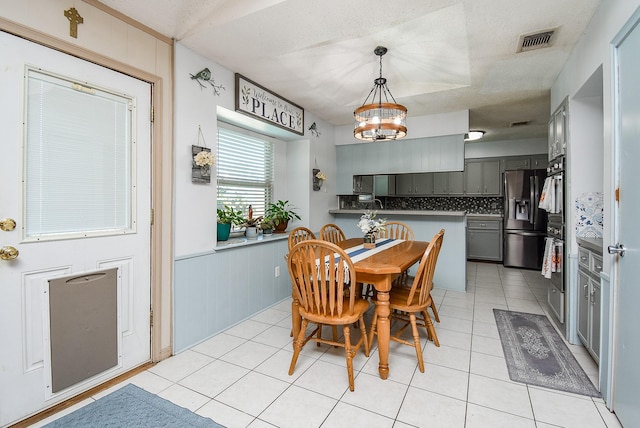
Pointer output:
7, 224
8, 253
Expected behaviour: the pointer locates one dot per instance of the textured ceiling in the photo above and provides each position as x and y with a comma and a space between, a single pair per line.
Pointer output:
444, 55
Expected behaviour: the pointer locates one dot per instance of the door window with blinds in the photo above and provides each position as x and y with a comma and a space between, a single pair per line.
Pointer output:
245, 170
79, 160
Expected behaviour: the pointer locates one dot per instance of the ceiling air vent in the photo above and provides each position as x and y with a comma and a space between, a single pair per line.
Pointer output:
541, 39
515, 124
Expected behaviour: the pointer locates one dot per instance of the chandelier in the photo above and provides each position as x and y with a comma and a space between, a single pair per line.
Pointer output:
378, 120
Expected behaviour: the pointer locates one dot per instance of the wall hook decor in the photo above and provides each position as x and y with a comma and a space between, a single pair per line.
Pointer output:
205, 74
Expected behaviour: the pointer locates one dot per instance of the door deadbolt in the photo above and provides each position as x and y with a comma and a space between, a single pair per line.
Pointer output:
8, 252
7, 224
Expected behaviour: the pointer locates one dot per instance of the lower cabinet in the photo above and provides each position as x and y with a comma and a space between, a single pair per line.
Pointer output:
484, 240
589, 298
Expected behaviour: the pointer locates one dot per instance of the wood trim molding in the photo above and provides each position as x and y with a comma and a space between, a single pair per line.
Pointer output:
162, 173
124, 18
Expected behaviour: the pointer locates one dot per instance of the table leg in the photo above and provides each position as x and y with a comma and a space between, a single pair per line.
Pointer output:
383, 327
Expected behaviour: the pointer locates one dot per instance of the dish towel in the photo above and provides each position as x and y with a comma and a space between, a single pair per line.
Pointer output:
548, 195
547, 259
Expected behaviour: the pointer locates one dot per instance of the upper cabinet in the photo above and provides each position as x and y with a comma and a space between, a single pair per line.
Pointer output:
482, 177
448, 183
344, 170
414, 184
558, 131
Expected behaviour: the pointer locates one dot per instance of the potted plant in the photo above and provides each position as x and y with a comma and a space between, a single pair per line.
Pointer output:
226, 217
281, 213
251, 224
266, 225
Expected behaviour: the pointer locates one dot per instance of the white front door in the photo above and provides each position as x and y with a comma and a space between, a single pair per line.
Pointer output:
626, 375
53, 243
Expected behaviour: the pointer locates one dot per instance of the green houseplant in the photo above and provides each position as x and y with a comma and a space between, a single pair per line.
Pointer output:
267, 226
226, 217
281, 213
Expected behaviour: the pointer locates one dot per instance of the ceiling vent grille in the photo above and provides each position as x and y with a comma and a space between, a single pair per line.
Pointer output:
515, 124
541, 39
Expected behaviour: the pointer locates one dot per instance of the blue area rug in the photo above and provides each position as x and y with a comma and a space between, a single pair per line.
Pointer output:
537, 355
131, 406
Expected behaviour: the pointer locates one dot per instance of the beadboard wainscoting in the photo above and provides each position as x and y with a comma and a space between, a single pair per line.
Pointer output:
215, 290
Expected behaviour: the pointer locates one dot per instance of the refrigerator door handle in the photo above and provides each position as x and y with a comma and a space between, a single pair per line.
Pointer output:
532, 211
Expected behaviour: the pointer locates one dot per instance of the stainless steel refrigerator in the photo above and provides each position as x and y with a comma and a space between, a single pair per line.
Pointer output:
525, 224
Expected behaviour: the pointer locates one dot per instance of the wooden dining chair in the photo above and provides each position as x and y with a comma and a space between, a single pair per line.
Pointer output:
332, 233
321, 274
300, 234
405, 302
396, 230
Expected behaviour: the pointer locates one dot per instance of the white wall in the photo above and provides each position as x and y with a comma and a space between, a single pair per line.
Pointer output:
195, 203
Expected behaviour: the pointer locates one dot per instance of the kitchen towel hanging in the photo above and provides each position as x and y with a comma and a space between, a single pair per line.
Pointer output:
547, 194
552, 259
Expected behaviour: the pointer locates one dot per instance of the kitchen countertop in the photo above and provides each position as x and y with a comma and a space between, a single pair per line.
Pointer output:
593, 244
404, 212
473, 216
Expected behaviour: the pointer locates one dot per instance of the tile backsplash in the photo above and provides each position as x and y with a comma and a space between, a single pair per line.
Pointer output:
475, 205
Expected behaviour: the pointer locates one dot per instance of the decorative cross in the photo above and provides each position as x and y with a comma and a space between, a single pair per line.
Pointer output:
74, 19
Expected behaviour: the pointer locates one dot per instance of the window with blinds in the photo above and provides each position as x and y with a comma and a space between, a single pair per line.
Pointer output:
245, 171
79, 160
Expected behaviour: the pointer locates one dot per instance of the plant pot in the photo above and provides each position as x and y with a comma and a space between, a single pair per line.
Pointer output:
267, 232
251, 232
281, 227
224, 229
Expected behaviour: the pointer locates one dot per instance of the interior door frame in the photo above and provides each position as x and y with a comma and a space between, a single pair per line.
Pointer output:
161, 249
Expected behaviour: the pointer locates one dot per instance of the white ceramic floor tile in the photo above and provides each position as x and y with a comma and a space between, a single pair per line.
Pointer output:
325, 378
292, 409
455, 324
483, 417
575, 412
447, 356
179, 366
487, 345
150, 382
184, 397
219, 345
225, 415
348, 416
253, 393
275, 336
249, 355
455, 312
442, 380
214, 378
383, 397
426, 409
278, 365
258, 423
489, 366
454, 339
62, 413
486, 329
609, 418
499, 395
247, 329
271, 316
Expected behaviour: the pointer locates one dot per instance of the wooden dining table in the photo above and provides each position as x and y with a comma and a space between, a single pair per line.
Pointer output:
380, 269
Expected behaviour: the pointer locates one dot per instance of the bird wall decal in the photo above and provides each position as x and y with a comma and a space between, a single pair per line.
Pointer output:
314, 129
205, 75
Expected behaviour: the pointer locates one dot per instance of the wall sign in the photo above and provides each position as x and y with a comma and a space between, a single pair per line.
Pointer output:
258, 102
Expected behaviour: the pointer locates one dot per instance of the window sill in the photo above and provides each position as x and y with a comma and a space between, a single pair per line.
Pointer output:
241, 241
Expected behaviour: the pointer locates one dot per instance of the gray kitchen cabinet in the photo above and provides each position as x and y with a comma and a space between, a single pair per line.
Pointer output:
517, 162
557, 131
539, 161
448, 183
384, 185
344, 169
418, 184
484, 240
482, 177
589, 268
